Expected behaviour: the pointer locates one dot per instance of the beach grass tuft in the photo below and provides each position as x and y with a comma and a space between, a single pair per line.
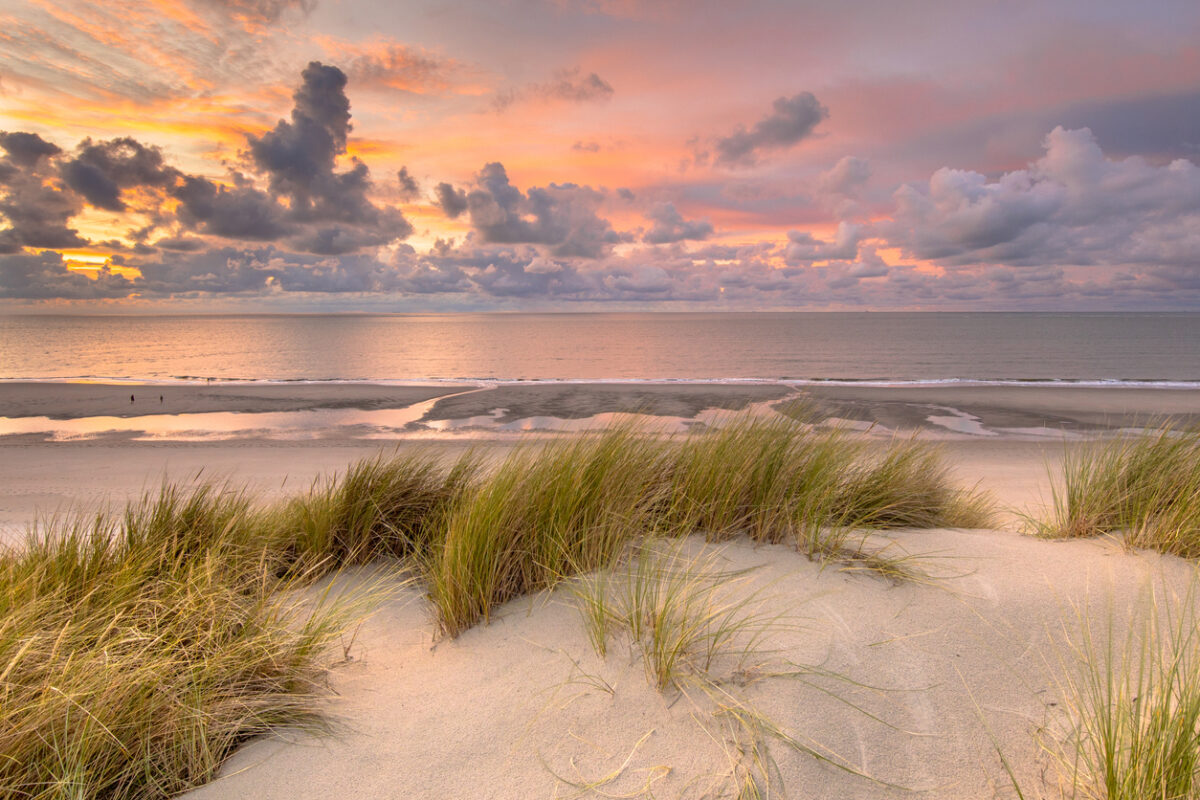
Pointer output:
138, 650
1145, 488
541, 516
381, 508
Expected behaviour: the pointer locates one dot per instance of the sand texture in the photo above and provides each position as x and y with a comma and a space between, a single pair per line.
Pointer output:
525, 708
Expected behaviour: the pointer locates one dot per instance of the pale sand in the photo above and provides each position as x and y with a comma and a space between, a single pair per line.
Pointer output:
505, 708
523, 707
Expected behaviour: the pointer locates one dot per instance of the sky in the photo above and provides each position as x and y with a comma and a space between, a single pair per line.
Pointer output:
560, 155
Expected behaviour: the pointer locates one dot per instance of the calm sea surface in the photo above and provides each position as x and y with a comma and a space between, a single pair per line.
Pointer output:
688, 346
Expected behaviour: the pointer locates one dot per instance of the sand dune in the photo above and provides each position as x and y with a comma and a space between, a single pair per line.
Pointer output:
911, 688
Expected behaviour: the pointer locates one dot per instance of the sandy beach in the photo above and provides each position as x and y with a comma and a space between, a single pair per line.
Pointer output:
934, 674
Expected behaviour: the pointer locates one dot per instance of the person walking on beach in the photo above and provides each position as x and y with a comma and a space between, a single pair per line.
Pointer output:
131, 398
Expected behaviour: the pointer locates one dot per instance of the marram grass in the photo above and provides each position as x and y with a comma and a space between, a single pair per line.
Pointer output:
1145, 488
138, 649
572, 506
136, 653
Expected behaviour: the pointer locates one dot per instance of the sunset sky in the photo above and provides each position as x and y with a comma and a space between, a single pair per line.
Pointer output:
296, 155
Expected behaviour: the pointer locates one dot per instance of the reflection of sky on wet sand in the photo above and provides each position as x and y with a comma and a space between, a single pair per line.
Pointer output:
349, 423
215, 426
406, 423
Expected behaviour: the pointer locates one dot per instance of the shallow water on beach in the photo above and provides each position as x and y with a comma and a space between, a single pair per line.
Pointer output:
861, 346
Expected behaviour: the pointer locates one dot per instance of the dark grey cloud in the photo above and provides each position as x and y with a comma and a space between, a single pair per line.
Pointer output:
100, 170
589, 146
299, 158
35, 203
453, 202
237, 212
26, 149
409, 189
567, 86
791, 120
561, 216
670, 226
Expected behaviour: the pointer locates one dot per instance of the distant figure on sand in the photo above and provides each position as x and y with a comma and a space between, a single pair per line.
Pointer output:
131, 398
160, 399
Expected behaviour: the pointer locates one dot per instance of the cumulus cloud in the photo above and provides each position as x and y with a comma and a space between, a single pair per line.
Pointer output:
26, 149
670, 226
1072, 206
845, 177
232, 212
560, 216
37, 206
101, 170
453, 202
567, 86
308, 202
791, 120
803, 248
409, 190
299, 156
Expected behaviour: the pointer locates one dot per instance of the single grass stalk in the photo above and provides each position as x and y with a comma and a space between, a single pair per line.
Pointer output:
681, 612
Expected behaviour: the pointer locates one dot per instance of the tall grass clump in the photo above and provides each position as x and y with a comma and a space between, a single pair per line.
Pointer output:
136, 651
539, 517
1134, 706
778, 482
572, 506
381, 508
1146, 488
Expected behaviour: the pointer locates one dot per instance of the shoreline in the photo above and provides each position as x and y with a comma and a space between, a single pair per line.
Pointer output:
280, 438
31, 412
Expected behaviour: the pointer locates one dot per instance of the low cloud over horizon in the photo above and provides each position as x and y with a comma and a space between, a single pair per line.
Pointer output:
421, 175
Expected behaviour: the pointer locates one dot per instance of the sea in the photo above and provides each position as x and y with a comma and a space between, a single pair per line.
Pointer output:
869, 347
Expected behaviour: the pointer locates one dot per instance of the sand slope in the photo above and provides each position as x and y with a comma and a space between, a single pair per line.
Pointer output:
504, 709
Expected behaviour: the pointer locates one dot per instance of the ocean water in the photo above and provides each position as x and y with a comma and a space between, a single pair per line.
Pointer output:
859, 346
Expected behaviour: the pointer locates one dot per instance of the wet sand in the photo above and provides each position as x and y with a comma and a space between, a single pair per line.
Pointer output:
77, 400
510, 403
1021, 408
